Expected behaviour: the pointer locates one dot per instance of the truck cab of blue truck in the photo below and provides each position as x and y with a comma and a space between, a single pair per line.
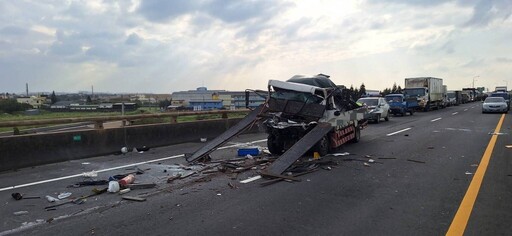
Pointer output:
400, 104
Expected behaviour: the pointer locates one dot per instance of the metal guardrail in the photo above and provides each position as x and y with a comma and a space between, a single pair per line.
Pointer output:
101, 119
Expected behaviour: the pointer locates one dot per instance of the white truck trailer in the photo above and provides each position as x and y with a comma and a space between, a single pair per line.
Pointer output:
427, 90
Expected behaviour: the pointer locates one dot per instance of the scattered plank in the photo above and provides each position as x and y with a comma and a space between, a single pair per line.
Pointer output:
411, 160
131, 198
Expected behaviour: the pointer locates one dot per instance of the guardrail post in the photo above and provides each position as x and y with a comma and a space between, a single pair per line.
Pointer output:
224, 115
174, 119
98, 125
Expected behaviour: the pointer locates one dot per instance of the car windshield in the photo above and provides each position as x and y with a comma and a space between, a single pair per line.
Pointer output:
494, 99
414, 92
394, 98
451, 95
502, 95
369, 101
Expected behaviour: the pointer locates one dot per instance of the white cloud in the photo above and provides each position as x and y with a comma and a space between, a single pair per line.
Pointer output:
164, 46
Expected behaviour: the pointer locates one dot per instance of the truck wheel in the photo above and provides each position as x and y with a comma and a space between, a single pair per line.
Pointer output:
323, 146
377, 120
411, 112
357, 135
386, 118
274, 145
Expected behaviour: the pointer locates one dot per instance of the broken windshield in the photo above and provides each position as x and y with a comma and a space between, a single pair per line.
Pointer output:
296, 96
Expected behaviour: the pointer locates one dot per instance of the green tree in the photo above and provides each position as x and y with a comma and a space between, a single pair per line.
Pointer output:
53, 98
394, 89
362, 90
399, 89
164, 104
11, 105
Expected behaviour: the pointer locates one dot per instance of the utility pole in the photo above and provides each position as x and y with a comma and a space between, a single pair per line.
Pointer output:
474, 80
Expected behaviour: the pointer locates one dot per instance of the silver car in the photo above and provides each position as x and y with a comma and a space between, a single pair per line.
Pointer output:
494, 104
378, 108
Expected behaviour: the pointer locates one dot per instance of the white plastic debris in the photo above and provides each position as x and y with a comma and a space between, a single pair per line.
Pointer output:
126, 190
371, 160
113, 187
51, 199
19, 213
341, 154
124, 150
86, 163
90, 174
468, 173
64, 195
366, 164
203, 140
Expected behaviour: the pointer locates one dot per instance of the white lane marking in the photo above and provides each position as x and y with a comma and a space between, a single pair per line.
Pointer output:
436, 119
113, 168
465, 109
472, 107
400, 131
455, 113
251, 179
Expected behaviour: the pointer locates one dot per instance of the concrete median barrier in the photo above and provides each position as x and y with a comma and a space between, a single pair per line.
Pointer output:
38, 149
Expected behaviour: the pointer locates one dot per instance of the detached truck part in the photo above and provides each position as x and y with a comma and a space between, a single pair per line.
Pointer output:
427, 90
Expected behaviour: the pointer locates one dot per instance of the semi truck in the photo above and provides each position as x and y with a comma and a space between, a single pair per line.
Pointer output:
428, 91
304, 113
501, 89
454, 97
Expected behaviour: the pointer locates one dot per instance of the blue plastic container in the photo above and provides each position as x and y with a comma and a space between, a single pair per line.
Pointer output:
248, 151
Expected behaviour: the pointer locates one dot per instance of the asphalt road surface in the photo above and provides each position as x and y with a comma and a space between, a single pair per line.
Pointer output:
441, 172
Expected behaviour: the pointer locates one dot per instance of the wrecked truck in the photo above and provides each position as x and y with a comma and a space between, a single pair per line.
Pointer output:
298, 105
304, 113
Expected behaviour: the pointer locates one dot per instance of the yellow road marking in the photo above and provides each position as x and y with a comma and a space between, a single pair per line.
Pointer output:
461, 218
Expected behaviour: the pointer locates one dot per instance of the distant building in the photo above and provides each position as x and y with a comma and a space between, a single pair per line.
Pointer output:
201, 105
34, 101
61, 105
228, 99
201, 93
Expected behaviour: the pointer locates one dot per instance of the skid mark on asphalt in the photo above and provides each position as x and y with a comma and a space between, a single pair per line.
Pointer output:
461, 218
115, 168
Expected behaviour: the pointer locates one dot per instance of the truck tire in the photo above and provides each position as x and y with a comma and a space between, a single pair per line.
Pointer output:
411, 112
377, 120
357, 135
274, 145
386, 118
427, 107
323, 146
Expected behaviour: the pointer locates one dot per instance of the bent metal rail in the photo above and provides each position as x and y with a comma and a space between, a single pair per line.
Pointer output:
100, 120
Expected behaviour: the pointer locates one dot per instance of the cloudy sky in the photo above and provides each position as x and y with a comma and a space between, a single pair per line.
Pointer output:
161, 46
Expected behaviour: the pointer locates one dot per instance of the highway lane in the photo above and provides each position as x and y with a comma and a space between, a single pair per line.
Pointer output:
391, 197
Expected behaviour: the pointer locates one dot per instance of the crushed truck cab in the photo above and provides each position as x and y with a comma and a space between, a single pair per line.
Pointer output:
296, 106
304, 113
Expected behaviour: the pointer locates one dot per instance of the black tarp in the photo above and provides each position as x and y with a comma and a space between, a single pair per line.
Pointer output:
319, 80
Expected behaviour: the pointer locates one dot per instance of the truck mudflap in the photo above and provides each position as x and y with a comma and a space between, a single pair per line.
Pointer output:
342, 136
226, 136
298, 149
